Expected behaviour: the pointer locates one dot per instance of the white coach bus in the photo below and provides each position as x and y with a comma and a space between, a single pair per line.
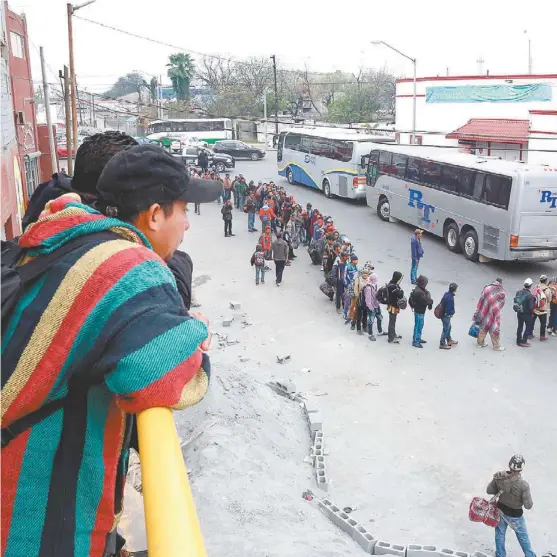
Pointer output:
498, 209
326, 159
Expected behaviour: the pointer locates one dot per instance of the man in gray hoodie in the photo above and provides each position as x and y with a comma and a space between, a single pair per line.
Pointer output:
280, 256
514, 494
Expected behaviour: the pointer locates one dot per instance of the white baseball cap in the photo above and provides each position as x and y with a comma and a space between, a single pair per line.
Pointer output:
528, 282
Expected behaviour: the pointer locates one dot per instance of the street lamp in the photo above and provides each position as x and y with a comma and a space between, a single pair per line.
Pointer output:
73, 85
413, 60
529, 52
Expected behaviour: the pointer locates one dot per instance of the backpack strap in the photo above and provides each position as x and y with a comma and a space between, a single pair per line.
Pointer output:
28, 272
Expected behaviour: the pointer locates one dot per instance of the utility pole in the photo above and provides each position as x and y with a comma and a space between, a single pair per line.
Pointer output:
52, 146
274, 59
93, 115
70, 11
265, 116
67, 105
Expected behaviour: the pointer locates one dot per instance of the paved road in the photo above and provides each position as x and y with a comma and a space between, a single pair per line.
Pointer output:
413, 435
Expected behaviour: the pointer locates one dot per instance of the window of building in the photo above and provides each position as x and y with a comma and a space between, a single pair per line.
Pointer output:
497, 190
32, 176
18, 46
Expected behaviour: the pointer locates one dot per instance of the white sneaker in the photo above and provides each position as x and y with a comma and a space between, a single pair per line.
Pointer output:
500, 349
484, 345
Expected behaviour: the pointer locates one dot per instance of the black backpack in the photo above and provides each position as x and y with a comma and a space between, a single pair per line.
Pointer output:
14, 282
383, 295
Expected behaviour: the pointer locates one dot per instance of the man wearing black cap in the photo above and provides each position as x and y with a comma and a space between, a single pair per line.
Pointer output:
100, 337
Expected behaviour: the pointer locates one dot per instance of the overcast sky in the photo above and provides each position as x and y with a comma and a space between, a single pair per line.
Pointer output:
443, 35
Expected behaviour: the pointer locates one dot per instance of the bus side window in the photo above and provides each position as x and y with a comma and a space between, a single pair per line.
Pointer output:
450, 179
479, 186
398, 167
414, 170
467, 179
305, 144
384, 162
431, 173
497, 190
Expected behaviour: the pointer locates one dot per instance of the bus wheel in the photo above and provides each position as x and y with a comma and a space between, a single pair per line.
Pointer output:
327, 189
290, 176
470, 245
452, 238
384, 209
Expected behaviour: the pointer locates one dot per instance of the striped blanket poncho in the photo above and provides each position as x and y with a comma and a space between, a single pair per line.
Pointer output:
110, 307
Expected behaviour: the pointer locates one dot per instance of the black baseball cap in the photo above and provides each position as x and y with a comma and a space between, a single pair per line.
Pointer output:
141, 175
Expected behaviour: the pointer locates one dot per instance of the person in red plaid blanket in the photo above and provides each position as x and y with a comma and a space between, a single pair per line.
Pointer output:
488, 314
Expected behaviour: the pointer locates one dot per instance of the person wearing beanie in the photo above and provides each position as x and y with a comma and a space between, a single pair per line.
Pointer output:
514, 494
395, 294
447, 311
419, 300
488, 314
523, 304
258, 261
542, 297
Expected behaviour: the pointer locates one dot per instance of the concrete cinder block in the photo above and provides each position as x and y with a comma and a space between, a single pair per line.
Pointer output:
227, 321
288, 386
414, 550
363, 538
453, 553
386, 548
315, 421
343, 524
311, 406
235, 305
478, 554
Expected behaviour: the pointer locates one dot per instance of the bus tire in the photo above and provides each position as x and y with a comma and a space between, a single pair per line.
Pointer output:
290, 176
452, 238
327, 188
470, 245
384, 209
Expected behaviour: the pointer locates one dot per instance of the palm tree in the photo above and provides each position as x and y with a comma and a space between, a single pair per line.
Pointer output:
181, 69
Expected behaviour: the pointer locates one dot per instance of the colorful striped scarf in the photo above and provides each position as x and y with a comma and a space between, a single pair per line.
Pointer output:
110, 309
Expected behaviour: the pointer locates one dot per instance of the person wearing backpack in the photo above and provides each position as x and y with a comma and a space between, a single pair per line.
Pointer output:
101, 336
258, 261
419, 300
351, 291
514, 494
542, 296
395, 295
447, 310
364, 294
524, 307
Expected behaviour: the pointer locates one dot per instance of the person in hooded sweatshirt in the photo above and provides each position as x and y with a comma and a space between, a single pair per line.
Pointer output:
395, 294
419, 301
350, 293
339, 274
361, 306
447, 313
514, 494
373, 308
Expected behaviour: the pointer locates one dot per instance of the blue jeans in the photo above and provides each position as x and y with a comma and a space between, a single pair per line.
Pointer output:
251, 221
259, 272
518, 524
371, 316
446, 334
414, 271
241, 201
418, 327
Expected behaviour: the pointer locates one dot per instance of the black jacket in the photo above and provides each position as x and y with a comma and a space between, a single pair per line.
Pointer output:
226, 212
526, 299
45, 192
394, 290
181, 266
421, 300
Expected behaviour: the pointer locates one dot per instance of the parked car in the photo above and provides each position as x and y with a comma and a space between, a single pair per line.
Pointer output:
62, 151
239, 149
220, 161
145, 141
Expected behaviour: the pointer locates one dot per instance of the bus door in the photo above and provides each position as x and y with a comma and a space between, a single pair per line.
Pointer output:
372, 168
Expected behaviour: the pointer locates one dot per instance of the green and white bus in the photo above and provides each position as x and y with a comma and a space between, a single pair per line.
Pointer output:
481, 206
327, 159
208, 130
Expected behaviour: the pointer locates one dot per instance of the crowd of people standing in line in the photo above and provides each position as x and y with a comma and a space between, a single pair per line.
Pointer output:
356, 290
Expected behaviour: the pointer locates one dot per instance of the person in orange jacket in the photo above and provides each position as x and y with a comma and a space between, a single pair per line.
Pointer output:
267, 216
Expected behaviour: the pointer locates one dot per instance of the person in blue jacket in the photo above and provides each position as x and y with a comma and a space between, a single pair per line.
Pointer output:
417, 251
447, 312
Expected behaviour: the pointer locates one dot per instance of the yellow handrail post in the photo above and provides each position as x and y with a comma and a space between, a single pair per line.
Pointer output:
170, 516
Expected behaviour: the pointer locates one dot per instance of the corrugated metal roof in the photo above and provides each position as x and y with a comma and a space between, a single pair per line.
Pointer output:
497, 129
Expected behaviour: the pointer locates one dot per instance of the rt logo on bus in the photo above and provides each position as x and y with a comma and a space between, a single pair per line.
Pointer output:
548, 198
415, 200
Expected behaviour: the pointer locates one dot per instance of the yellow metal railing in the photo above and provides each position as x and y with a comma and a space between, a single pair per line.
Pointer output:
170, 516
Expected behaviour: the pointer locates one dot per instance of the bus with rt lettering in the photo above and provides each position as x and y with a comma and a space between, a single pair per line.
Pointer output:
483, 207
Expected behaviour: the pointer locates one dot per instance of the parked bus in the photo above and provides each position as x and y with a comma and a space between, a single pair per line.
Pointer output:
481, 206
208, 130
330, 160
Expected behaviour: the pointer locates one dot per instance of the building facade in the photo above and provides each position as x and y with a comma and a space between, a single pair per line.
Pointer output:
20, 143
509, 116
